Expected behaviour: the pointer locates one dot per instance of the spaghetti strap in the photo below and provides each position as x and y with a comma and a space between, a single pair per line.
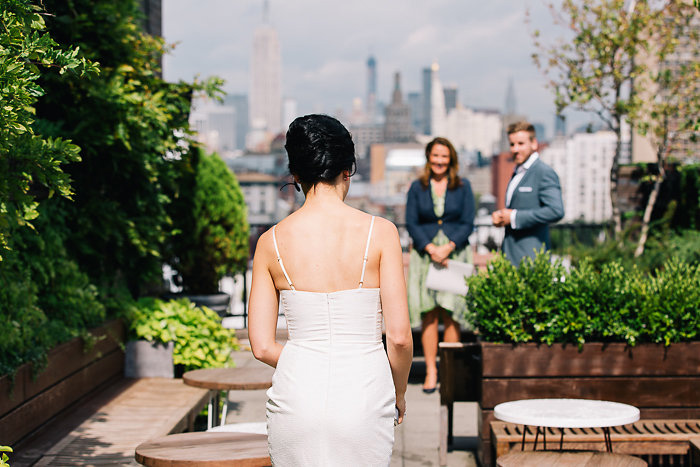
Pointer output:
279, 259
364, 260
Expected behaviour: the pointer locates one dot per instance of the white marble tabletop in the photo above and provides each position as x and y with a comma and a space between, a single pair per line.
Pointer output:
566, 413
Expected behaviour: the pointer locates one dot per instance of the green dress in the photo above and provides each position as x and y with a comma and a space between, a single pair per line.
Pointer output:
421, 299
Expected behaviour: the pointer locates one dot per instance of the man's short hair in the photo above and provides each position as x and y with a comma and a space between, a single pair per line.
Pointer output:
522, 126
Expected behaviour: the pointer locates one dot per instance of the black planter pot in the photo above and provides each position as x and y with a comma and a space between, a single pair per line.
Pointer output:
218, 302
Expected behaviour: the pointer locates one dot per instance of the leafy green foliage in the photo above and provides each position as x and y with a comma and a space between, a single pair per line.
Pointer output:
200, 340
130, 124
541, 302
5, 458
211, 237
29, 163
44, 297
619, 64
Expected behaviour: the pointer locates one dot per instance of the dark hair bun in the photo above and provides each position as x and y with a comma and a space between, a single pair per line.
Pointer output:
319, 149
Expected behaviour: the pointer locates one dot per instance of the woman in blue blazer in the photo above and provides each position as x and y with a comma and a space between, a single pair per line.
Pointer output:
439, 219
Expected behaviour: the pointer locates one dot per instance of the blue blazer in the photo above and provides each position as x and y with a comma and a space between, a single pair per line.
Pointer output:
537, 199
457, 222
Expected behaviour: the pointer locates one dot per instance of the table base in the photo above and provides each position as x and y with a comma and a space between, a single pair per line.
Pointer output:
606, 437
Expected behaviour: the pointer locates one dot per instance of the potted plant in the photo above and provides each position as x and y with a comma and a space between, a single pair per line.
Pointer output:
614, 333
175, 332
210, 237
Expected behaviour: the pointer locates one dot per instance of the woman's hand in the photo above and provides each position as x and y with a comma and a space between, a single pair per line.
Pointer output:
439, 254
401, 405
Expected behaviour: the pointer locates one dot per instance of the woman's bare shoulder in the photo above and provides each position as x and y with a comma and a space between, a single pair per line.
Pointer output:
387, 233
264, 247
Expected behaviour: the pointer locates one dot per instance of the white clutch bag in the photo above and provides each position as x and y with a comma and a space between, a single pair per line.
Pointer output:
450, 278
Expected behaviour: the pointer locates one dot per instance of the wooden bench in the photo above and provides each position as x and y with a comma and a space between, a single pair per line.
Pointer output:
563, 459
106, 428
647, 439
29, 399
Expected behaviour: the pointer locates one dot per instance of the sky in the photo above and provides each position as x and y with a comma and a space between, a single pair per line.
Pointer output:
325, 45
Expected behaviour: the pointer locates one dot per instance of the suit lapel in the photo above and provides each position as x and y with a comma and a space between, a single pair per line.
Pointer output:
529, 174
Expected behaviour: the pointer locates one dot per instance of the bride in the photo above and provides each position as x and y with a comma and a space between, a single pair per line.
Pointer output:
337, 273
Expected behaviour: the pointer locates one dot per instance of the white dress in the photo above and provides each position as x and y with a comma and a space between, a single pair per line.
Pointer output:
332, 397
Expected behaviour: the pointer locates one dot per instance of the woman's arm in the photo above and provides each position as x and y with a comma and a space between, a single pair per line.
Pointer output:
264, 306
399, 341
418, 236
462, 226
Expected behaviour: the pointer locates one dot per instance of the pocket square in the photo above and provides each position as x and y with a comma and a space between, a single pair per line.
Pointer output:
525, 189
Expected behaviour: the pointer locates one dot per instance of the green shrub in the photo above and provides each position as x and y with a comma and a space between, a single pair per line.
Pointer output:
209, 217
4, 458
200, 340
541, 302
44, 298
129, 124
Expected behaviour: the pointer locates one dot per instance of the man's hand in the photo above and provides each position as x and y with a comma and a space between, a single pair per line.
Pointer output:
501, 218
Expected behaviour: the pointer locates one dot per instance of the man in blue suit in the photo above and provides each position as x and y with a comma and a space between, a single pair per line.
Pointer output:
533, 198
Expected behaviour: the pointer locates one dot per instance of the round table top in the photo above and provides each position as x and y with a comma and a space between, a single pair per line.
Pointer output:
566, 413
205, 449
227, 379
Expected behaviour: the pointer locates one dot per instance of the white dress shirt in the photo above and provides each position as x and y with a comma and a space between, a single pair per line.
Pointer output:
519, 174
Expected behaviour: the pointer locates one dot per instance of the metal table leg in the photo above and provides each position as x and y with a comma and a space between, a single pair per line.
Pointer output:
608, 441
224, 411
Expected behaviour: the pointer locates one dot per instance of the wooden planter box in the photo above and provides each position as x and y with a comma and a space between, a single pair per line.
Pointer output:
663, 382
70, 374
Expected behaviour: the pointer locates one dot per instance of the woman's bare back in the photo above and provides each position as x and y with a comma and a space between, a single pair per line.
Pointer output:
323, 248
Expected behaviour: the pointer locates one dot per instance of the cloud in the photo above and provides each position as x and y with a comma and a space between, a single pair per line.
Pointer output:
325, 45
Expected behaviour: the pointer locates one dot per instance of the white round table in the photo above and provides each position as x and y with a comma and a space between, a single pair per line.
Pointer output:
566, 413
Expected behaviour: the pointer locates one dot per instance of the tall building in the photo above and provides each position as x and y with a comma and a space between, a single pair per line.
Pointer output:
559, 125
510, 115
437, 103
511, 105
266, 79
290, 112
502, 166
371, 88
415, 104
239, 102
397, 122
450, 97
214, 125
364, 135
426, 104
152, 16
474, 130
583, 163
539, 131
152, 22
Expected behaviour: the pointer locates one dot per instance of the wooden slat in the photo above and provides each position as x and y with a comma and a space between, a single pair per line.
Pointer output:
484, 446
595, 359
41, 408
63, 361
144, 409
229, 379
205, 450
637, 391
573, 459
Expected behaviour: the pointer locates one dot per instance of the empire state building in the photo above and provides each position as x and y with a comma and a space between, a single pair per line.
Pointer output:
266, 81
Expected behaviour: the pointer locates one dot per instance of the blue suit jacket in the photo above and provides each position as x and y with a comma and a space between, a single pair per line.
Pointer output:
457, 222
537, 199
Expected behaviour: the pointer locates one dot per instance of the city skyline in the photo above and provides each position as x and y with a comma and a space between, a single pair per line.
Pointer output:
324, 62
